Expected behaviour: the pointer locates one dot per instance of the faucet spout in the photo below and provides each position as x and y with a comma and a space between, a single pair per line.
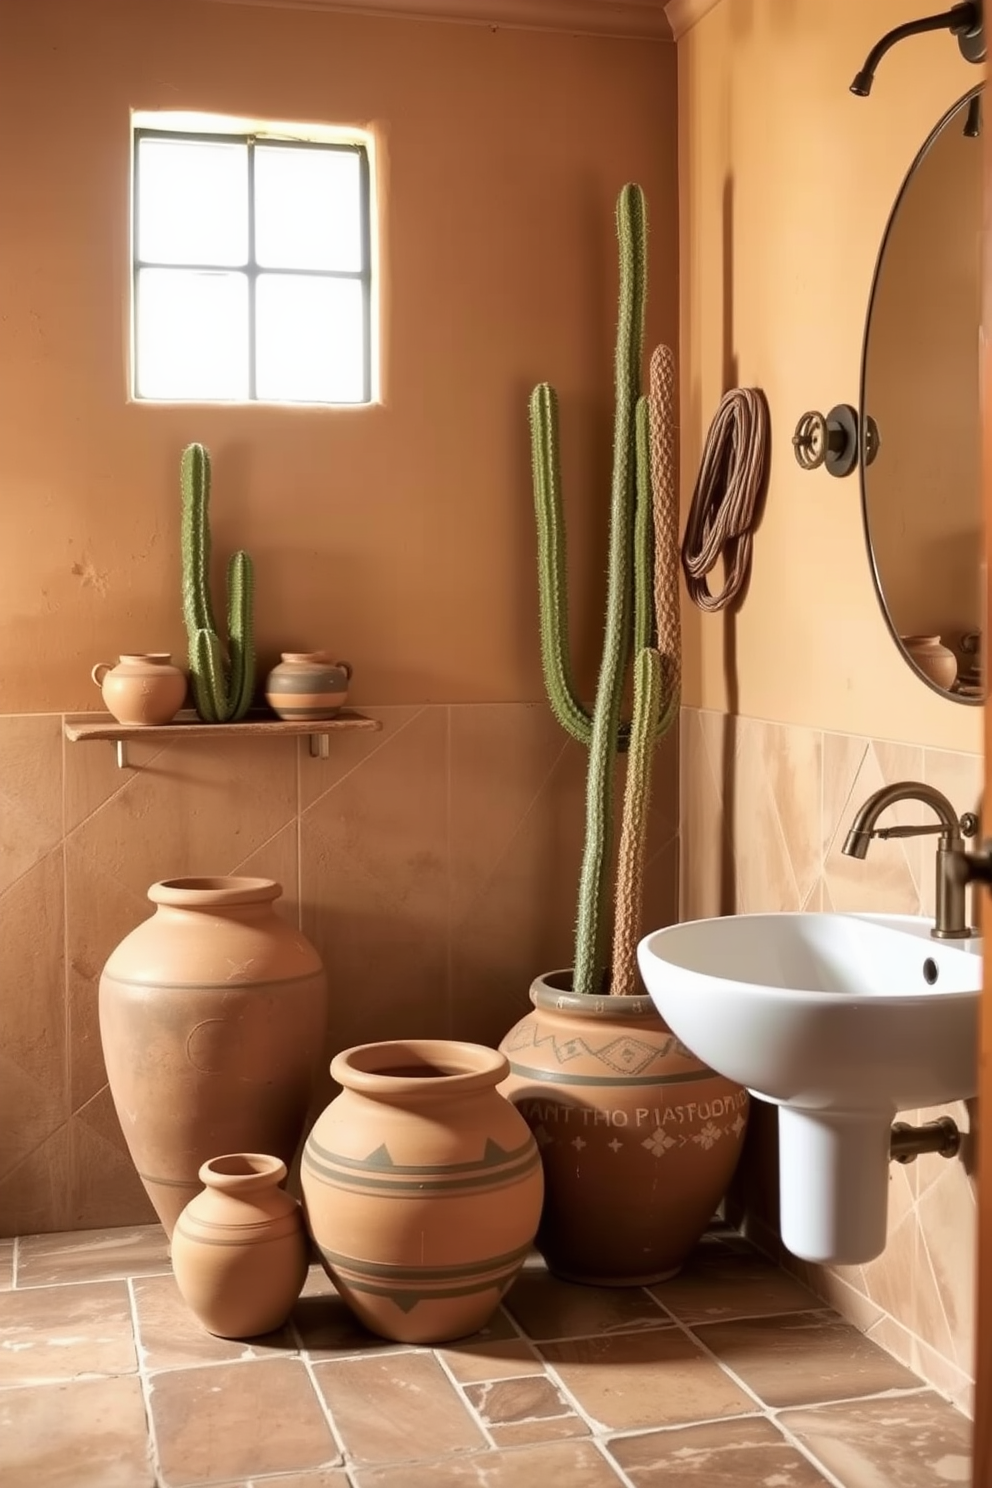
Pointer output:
950, 922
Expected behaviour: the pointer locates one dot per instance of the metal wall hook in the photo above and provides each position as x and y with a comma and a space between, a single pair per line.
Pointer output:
832, 440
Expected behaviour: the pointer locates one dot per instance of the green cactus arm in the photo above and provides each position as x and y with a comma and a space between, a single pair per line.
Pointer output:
552, 585
195, 482
629, 892
631, 233
240, 592
206, 665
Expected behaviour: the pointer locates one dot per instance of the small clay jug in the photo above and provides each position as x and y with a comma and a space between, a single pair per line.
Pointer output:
143, 688
307, 685
937, 662
239, 1249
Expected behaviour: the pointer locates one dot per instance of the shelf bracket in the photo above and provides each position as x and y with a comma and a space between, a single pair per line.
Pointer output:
320, 746
123, 763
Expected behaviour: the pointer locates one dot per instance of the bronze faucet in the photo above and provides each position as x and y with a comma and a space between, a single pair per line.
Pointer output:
949, 923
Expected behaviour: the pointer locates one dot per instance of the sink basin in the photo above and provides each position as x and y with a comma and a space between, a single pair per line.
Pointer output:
841, 1020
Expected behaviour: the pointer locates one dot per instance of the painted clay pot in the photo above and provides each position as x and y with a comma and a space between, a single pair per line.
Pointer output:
422, 1187
935, 661
142, 688
239, 1249
212, 1015
307, 685
638, 1138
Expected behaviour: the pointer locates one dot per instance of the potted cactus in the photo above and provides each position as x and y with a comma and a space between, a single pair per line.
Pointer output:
638, 1138
222, 680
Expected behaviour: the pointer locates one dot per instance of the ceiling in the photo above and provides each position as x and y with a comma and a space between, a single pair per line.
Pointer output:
645, 19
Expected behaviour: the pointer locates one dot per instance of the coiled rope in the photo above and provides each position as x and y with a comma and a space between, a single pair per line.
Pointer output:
731, 478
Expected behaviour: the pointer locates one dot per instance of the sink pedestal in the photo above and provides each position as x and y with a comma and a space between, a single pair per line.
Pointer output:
834, 1183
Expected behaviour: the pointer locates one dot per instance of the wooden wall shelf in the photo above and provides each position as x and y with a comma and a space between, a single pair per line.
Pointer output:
188, 726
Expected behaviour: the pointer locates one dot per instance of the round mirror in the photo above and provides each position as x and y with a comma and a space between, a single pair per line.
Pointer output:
921, 484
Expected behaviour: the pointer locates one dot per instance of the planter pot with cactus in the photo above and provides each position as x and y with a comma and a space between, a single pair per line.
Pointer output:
638, 1138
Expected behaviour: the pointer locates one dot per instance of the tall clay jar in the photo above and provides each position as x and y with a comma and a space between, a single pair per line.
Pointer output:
212, 1015
422, 1187
639, 1139
239, 1248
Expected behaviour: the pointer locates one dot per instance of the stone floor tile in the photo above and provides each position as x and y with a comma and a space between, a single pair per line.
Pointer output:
719, 1282
804, 1358
222, 1422
59, 1333
654, 1378
547, 1308
915, 1441
171, 1337
396, 1408
490, 1361
569, 1464
80, 1434
719, 1454
92, 1255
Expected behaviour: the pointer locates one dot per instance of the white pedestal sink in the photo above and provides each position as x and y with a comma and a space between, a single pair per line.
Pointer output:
839, 1020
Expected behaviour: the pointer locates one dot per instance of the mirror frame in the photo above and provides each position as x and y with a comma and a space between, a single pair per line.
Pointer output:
863, 422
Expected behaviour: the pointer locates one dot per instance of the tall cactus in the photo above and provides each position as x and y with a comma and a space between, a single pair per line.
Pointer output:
630, 625
222, 684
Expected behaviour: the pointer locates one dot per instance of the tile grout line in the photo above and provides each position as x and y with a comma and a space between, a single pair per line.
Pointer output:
305, 1359
145, 1384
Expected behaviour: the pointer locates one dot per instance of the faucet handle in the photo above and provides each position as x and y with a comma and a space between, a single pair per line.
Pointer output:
972, 867
968, 826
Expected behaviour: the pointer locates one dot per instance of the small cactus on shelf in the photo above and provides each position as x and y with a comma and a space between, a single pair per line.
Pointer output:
222, 682
642, 542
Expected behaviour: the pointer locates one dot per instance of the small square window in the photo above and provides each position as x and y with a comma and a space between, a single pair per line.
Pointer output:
252, 277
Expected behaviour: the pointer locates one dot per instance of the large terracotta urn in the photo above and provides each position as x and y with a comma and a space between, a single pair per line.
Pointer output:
422, 1187
638, 1138
212, 1017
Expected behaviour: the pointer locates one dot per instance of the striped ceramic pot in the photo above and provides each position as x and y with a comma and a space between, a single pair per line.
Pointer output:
422, 1187
307, 686
639, 1139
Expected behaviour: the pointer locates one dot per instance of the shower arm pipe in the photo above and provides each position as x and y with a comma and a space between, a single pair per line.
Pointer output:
960, 20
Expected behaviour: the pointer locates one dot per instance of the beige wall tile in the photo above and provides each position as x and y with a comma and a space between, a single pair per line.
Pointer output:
375, 888
30, 791
34, 1097
37, 1194
708, 871
888, 880
347, 751
106, 1189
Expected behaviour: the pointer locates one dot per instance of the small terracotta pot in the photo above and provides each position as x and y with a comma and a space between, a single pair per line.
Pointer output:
639, 1139
239, 1249
307, 685
143, 688
422, 1187
212, 1018
937, 662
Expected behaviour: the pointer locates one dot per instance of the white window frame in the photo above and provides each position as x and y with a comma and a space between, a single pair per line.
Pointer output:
146, 126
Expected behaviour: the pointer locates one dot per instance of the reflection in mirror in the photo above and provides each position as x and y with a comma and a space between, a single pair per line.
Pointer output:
920, 383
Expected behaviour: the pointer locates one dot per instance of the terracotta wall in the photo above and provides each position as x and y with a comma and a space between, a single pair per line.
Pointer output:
786, 184
433, 863
800, 706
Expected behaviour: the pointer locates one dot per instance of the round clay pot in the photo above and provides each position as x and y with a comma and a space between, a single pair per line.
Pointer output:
141, 688
638, 1138
239, 1249
212, 1015
936, 662
422, 1187
307, 685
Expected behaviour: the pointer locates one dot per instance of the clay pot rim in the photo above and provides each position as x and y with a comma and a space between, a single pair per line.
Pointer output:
156, 656
544, 994
366, 1068
257, 1170
206, 892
